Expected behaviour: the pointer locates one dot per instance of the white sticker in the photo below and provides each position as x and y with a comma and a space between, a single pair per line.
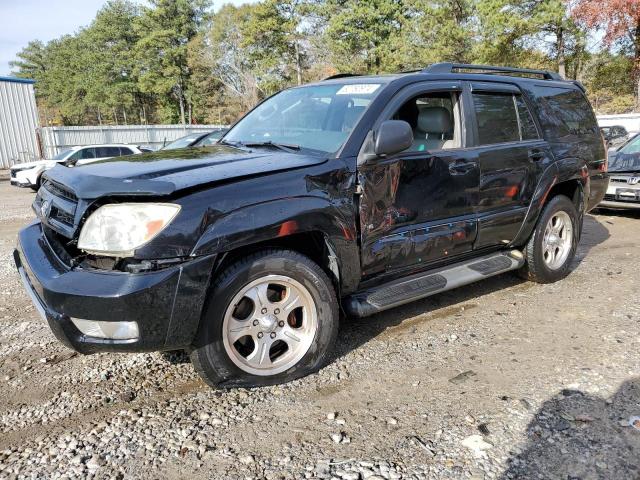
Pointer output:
358, 89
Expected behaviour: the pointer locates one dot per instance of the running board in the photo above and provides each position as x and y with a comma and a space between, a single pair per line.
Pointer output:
405, 290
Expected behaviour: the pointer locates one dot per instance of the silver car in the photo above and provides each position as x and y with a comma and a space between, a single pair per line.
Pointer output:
624, 176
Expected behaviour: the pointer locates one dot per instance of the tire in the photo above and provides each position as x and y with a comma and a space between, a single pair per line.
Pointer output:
243, 319
549, 257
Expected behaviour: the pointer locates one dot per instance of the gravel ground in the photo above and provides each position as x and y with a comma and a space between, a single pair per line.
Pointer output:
502, 379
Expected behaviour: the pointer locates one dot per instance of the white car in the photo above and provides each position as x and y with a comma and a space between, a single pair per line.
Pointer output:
28, 174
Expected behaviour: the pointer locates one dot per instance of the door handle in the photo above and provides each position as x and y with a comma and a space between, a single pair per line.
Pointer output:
536, 154
461, 167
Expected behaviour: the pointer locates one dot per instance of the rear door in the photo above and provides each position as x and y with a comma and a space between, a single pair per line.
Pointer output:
511, 156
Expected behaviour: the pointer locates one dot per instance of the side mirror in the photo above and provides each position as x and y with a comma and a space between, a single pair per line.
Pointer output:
393, 136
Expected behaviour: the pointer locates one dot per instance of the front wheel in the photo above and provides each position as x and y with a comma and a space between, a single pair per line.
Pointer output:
553, 244
271, 318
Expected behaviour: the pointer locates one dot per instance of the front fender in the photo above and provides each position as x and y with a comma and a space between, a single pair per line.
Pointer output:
276, 219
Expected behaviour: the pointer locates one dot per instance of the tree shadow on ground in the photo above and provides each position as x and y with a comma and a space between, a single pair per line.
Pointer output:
577, 436
355, 332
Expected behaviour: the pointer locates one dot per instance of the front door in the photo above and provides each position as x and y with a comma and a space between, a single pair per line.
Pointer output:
417, 207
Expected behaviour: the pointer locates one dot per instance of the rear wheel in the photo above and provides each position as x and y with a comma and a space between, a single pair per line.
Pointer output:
270, 318
553, 244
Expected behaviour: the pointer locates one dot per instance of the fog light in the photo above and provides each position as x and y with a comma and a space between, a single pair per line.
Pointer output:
111, 330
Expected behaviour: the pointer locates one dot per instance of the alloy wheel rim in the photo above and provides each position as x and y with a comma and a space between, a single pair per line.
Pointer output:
557, 240
269, 325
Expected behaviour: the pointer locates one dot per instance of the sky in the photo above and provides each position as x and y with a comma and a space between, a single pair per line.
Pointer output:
24, 20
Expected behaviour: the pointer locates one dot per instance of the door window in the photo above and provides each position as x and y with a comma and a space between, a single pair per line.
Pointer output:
87, 153
502, 118
434, 120
496, 117
103, 152
125, 151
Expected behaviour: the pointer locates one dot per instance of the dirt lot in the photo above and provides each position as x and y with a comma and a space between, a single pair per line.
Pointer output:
502, 379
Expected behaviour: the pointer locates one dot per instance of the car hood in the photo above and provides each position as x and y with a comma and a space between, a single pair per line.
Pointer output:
37, 163
168, 171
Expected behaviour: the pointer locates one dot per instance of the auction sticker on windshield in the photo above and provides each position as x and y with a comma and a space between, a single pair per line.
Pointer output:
358, 89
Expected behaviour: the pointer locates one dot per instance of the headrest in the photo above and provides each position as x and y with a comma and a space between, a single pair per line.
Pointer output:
435, 120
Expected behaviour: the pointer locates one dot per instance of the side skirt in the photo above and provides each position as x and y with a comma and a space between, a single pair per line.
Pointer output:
405, 290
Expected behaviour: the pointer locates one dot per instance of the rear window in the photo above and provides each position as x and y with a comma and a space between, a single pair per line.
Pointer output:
565, 112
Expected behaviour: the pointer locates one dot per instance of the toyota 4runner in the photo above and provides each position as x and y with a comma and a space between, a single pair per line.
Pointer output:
357, 193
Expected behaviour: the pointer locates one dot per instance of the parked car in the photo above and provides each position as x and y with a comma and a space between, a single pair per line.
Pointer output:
200, 139
361, 193
29, 174
615, 136
624, 176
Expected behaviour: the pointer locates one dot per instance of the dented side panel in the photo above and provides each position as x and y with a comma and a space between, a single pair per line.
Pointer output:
417, 208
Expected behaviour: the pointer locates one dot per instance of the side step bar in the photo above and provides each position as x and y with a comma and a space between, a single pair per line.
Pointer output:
405, 290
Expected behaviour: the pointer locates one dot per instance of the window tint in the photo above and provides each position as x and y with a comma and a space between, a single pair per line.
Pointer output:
496, 117
102, 152
565, 112
87, 153
126, 151
528, 129
432, 118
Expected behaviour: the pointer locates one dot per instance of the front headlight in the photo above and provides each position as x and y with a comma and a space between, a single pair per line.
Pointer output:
118, 229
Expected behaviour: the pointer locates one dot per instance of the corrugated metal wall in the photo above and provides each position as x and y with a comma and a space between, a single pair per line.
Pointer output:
18, 122
57, 139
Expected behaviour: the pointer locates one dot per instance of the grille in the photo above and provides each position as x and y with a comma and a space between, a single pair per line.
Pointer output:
56, 206
59, 191
61, 216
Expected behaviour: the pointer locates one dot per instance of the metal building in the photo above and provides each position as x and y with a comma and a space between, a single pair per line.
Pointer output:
18, 122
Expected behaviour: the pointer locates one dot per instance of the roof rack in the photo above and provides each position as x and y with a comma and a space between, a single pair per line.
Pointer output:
341, 75
490, 69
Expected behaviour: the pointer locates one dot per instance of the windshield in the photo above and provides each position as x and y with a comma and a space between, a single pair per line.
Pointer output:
316, 117
627, 158
62, 155
210, 139
182, 142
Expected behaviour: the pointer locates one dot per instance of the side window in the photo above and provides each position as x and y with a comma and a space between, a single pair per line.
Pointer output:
102, 152
565, 112
125, 151
87, 153
496, 117
434, 120
528, 130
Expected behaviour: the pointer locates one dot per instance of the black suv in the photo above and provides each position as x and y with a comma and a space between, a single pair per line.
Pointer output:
358, 193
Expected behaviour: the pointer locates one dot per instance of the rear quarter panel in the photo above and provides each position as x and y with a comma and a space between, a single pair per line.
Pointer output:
570, 127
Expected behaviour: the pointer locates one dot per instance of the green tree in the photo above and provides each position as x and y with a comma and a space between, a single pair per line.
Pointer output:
110, 62
361, 35
165, 29
273, 38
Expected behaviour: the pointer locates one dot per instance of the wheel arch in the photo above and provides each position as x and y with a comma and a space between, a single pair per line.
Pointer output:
563, 178
311, 226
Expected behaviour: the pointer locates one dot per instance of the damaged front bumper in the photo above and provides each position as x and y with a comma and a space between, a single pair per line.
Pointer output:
166, 304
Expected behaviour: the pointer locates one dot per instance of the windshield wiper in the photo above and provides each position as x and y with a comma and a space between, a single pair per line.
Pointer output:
287, 147
231, 144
